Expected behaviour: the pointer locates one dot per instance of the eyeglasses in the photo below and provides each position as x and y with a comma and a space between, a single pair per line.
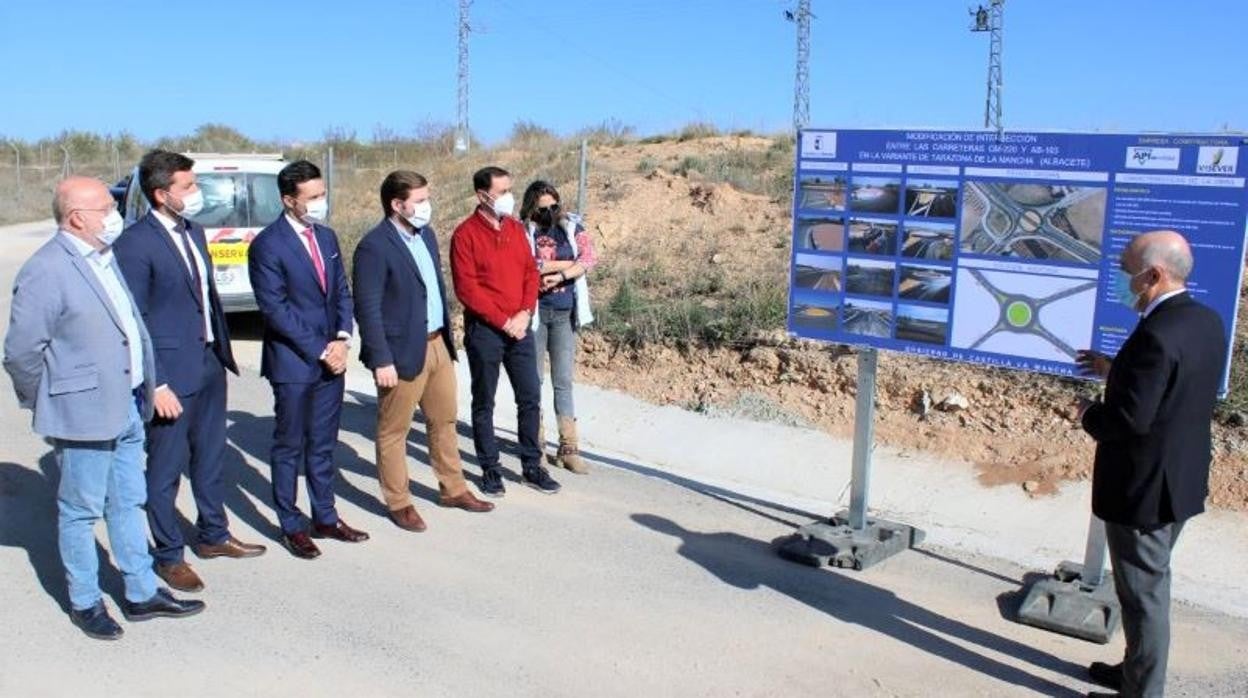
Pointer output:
105, 211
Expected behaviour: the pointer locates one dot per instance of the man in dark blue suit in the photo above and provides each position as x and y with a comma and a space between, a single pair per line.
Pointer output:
164, 258
300, 284
405, 334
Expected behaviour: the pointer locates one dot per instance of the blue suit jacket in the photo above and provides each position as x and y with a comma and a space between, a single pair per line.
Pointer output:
299, 318
166, 295
391, 301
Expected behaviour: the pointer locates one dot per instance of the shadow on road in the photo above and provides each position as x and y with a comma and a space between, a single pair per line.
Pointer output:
747, 563
28, 521
727, 496
363, 421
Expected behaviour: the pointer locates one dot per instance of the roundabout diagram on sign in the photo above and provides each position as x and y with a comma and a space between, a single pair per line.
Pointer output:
1041, 317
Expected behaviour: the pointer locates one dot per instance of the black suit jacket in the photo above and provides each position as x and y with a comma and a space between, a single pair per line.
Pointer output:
1152, 429
391, 301
166, 295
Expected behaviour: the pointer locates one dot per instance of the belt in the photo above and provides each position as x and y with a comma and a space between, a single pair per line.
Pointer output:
436, 334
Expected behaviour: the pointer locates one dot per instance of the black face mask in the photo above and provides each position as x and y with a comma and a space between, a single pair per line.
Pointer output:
545, 217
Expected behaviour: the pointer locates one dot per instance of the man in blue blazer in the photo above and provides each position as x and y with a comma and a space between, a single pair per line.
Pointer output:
164, 257
300, 284
405, 334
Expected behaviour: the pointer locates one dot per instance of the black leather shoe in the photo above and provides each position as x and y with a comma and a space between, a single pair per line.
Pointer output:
339, 531
161, 605
1107, 675
96, 622
301, 546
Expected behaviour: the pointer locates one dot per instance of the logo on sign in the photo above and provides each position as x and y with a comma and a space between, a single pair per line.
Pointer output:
819, 144
1217, 160
1145, 158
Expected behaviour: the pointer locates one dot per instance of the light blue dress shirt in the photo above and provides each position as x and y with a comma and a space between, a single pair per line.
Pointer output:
428, 274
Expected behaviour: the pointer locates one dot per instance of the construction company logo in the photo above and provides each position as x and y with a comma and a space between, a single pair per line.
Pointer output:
1149, 158
819, 144
1217, 160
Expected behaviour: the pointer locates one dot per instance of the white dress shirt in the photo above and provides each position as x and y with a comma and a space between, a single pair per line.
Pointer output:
200, 266
102, 262
1159, 300
299, 226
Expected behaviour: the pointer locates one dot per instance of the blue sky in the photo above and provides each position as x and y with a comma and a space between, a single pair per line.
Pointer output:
289, 70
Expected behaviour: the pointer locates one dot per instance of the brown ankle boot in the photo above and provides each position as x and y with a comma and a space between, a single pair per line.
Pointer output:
569, 453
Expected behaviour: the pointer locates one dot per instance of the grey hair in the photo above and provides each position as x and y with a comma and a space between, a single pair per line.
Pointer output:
58, 208
1175, 259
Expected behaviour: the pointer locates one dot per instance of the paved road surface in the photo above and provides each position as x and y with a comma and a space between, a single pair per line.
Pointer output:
630, 582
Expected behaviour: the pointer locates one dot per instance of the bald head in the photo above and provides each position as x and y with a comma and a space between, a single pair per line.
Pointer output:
76, 194
1163, 250
1156, 263
81, 207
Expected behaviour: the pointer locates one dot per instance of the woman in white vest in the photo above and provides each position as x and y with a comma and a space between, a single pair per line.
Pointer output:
564, 256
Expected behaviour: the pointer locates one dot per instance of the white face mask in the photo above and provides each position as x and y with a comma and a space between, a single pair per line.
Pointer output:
192, 204
504, 205
113, 225
421, 214
318, 210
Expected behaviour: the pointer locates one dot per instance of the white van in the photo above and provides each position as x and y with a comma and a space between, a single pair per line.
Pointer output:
240, 198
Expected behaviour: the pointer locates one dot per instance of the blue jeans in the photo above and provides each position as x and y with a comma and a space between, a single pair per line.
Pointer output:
104, 479
556, 337
489, 350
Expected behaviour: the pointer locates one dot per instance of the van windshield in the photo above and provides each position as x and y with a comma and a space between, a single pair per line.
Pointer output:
238, 199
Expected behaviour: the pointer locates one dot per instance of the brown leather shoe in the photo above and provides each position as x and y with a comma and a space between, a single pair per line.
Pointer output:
408, 519
230, 547
180, 576
301, 546
467, 502
339, 531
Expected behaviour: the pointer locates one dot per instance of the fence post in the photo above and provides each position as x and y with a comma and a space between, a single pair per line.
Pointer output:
17, 158
66, 167
583, 179
329, 173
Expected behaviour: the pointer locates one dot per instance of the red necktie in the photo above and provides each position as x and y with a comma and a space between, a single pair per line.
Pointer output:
316, 258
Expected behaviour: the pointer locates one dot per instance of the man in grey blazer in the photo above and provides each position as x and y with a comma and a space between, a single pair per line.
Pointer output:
82, 362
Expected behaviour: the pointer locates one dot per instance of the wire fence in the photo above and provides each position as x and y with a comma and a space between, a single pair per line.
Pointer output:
29, 172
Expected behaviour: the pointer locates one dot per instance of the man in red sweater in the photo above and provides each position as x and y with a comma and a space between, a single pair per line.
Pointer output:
496, 280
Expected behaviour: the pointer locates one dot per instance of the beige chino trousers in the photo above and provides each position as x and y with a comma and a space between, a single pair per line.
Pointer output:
434, 390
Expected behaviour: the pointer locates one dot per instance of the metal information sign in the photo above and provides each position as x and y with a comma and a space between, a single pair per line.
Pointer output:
966, 246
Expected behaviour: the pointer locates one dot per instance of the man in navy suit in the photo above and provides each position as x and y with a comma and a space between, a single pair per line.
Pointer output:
300, 284
164, 258
405, 334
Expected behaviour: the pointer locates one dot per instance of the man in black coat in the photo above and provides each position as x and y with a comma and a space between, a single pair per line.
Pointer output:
1153, 445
